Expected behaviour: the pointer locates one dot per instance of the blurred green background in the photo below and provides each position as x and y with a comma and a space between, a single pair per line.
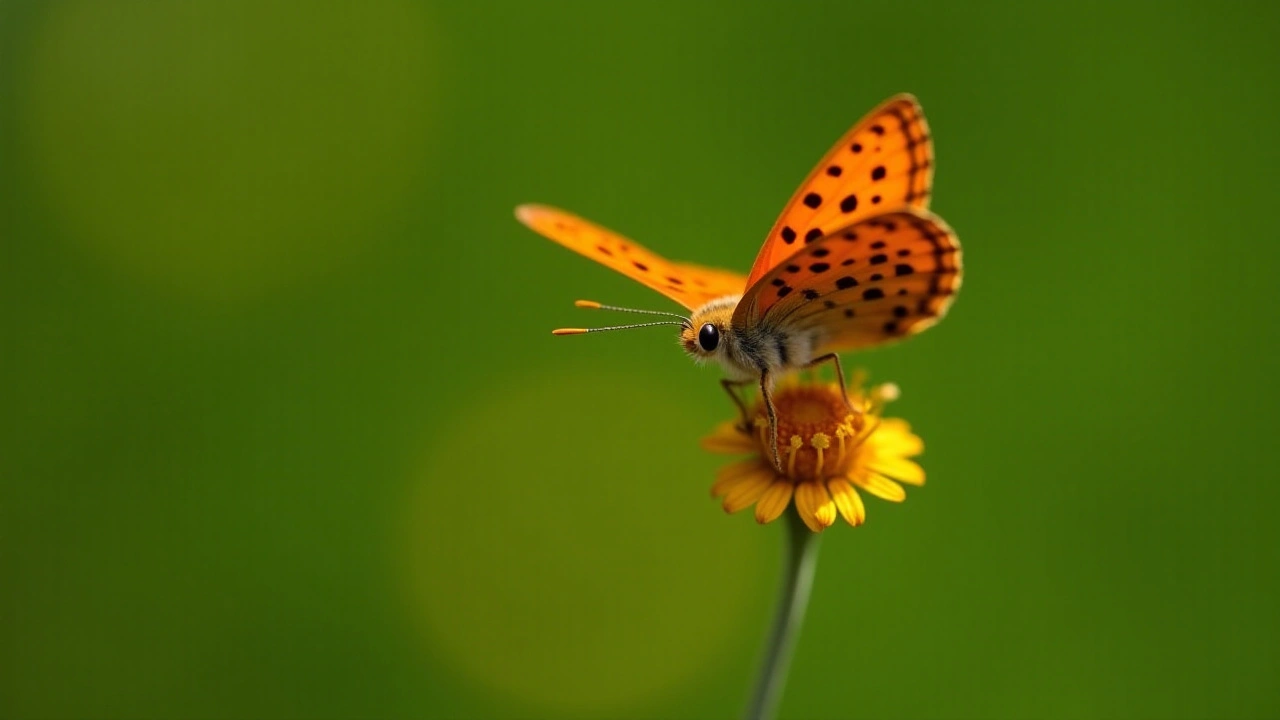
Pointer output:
283, 432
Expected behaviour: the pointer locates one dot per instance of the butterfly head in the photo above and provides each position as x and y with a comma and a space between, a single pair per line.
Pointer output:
708, 334
704, 340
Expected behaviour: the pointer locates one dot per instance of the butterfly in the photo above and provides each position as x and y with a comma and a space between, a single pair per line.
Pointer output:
855, 260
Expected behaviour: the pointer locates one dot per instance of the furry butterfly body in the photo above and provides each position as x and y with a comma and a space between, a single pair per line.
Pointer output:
855, 260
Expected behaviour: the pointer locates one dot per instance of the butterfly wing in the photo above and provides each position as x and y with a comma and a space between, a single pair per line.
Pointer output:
688, 284
884, 163
872, 282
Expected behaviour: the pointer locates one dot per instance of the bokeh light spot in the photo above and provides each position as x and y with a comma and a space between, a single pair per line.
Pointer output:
225, 148
557, 553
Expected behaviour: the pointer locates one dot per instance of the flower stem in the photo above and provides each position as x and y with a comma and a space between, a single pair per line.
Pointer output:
798, 566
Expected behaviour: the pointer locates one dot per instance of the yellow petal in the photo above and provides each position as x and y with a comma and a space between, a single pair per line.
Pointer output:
894, 436
804, 507
748, 490
774, 501
898, 468
848, 501
879, 485
727, 439
729, 475
815, 506
826, 510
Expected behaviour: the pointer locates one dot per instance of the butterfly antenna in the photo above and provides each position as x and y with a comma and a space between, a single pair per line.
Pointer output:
593, 305
580, 331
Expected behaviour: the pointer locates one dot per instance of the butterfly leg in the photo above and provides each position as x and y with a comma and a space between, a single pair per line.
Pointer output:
835, 360
767, 394
731, 386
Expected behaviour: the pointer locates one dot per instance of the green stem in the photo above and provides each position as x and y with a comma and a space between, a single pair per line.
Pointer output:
798, 566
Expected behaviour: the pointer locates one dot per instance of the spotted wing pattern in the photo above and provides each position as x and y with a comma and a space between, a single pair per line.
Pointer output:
869, 283
884, 163
688, 284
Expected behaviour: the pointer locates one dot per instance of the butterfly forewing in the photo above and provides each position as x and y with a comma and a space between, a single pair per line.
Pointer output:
884, 163
688, 284
866, 284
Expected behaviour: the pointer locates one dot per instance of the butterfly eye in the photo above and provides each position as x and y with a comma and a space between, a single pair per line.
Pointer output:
709, 337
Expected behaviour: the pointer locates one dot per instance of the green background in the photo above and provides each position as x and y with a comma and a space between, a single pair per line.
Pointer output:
283, 432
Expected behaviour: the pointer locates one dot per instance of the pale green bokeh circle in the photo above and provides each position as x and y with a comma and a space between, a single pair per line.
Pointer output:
224, 148
565, 562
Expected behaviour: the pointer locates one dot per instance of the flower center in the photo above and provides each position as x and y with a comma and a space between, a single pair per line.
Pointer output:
817, 434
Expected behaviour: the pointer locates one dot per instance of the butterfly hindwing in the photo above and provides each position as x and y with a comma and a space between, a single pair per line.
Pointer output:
884, 163
869, 283
688, 284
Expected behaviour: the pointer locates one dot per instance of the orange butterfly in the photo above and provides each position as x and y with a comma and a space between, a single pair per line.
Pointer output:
855, 260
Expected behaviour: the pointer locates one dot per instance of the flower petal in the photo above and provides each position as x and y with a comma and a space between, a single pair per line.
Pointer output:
879, 485
826, 510
804, 506
748, 490
848, 501
730, 475
728, 439
774, 501
815, 506
898, 468
895, 437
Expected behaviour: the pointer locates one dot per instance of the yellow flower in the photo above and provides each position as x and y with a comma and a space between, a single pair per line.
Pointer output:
826, 452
